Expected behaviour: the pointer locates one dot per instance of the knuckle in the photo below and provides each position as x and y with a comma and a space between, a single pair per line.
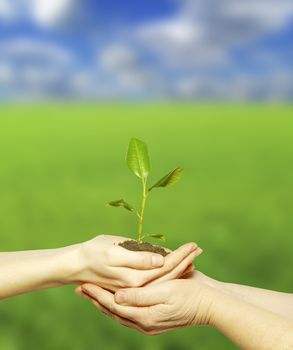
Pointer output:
134, 281
121, 280
169, 264
128, 282
145, 260
134, 298
140, 280
123, 283
108, 254
112, 309
147, 326
137, 295
112, 251
140, 318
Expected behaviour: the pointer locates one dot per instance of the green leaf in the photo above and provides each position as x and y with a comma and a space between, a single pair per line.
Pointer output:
121, 203
169, 179
157, 236
138, 159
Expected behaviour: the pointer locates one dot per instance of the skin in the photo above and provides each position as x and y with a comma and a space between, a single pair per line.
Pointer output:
276, 302
100, 261
196, 300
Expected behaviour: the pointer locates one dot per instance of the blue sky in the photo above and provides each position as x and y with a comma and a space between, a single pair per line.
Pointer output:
234, 50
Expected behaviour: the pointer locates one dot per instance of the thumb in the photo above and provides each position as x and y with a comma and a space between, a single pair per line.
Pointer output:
145, 296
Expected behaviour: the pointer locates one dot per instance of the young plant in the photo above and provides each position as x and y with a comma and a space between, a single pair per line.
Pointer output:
138, 162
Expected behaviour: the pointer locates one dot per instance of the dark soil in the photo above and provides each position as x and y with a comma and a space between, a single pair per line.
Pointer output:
143, 247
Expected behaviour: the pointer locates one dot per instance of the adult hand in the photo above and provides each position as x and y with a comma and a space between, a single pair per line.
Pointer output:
179, 303
158, 308
101, 261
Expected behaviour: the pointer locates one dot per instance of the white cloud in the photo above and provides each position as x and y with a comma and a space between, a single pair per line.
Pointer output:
203, 31
26, 48
6, 73
266, 13
123, 64
180, 42
45, 13
236, 21
7, 10
179, 30
189, 46
277, 86
182, 55
50, 12
83, 84
118, 57
34, 68
38, 78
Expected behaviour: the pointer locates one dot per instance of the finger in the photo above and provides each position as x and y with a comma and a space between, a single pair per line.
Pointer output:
78, 290
123, 321
184, 267
145, 296
109, 287
187, 276
84, 295
171, 261
106, 299
189, 268
178, 270
126, 322
136, 260
174, 258
167, 250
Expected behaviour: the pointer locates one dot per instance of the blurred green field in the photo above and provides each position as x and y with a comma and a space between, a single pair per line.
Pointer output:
61, 164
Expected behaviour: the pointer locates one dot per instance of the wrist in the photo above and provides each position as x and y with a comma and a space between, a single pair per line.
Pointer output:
205, 304
68, 264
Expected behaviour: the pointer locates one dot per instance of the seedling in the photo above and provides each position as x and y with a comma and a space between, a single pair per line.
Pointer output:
138, 162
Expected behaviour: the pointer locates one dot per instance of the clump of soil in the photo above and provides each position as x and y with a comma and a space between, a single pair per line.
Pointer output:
143, 247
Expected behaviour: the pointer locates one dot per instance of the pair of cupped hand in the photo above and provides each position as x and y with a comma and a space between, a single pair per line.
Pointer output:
141, 290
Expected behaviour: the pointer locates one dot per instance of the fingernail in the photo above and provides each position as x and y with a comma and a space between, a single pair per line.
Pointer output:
120, 297
84, 295
157, 260
79, 292
191, 247
86, 290
198, 251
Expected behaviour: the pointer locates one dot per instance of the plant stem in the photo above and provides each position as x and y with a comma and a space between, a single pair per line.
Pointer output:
141, 215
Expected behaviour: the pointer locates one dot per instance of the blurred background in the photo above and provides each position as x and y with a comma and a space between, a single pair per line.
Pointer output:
207, 84
155, 49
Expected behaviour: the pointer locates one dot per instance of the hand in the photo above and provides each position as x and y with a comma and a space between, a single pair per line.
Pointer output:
156, 309
201, 278
101, 261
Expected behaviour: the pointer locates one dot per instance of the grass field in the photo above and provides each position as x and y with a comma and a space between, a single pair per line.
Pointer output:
61, 164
